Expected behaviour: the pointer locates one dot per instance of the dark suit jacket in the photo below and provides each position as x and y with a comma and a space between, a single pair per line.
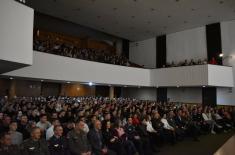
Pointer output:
96, 140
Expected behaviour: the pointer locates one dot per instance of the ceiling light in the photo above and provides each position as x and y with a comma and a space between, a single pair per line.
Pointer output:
203, 86
178, 86
11, 78
68, 82
221, 2
90, 83
221, 55
42, 80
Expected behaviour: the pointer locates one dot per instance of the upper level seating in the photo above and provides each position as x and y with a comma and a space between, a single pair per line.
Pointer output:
78, 48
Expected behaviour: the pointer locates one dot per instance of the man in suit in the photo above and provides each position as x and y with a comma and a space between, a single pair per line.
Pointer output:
77, 140
57, 143
35, 145
96, 140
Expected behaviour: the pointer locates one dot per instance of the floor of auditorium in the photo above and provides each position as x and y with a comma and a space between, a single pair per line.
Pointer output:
208, 145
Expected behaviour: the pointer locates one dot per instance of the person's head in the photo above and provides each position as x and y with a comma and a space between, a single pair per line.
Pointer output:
108, 125
129, 120
55, 122
107, 116
6, 120
43, 118
24, 119
97, 125
58, 130
35, 133
54, 115
79, 126
13, 126
5, 139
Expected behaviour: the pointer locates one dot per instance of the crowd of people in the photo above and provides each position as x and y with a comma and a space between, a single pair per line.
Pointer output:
187, 63
70, 50
103, 126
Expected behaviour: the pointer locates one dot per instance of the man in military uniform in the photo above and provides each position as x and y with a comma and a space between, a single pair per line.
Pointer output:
35, 145
78, 141
57, 143
6, 147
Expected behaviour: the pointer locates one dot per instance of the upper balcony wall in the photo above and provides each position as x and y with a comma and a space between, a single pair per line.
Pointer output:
54, 67
16, 34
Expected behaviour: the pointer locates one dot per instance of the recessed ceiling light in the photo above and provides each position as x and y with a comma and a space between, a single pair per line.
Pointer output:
68, 82
90, 83
221, 2
177, 0
209, 16
132, 16
169, 16
152, 9
203, 86
192, 9
178, 86
11, 78
42, 80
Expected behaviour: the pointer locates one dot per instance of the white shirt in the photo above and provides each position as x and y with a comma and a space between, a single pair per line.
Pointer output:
150, 127
205, 117
50, 132
166, 124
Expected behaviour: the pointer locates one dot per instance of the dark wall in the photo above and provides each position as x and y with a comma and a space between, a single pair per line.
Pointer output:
213, 38
162, 94
49, 23
161, 51
125, 48
102, 91
4, 87
27, 88
50, 89
209, 96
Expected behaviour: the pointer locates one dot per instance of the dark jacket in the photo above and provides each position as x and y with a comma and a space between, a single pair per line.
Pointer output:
10, 150
58, 146
31, 147
78, 142
96, 140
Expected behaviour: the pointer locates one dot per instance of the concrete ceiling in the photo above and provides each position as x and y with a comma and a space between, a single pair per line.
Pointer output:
138, 19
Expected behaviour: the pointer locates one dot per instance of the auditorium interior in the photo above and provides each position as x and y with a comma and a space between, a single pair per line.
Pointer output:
117, 77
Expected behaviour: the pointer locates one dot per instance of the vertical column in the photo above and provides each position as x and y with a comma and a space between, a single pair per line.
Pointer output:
213, 39
161, 51
12, 89
111, 92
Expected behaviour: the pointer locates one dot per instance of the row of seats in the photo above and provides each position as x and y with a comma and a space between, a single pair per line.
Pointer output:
92, 125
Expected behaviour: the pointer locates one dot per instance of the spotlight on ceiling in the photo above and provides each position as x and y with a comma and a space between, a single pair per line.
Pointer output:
68, 82
11, 78
90, 83
221, 55
203, 86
